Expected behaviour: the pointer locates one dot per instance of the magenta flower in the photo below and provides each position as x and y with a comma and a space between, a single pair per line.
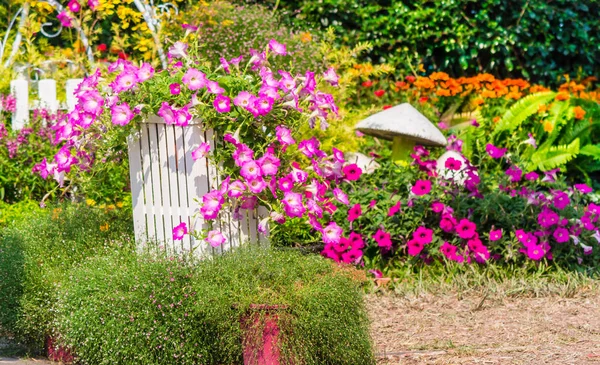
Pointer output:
91, 102
515, 173
376, 273
180, 231
242, 154
214, 88
93, 4
352, 172
269, 164
340, 196
309, 147
453, 164
292, 203
394, 209
494, 151
145, 72
201, 151
121, 114
215, 238
421, 187
342, 245
531, 176
495, 235
64, 159
284, 136
125, 81
531, 140
285, 183
356, 241
550, 176
332, 233
298, 175
65, 19
465, 229
277, 48
256, 185
178, 50
383, 239
535, 252
423, 235
561, 235
251, 170
236, 189
222, 104
194, 79
352, 257
331, 77
414, 247
243, 99
448, 250
437, 207
585, 189
561, 200
74, 6
175, 88
354, 212
447, 223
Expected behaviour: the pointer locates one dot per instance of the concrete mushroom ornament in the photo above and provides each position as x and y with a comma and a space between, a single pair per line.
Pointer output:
405, 126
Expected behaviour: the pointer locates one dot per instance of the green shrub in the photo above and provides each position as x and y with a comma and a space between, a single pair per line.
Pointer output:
148, 310
537, 39
37, 255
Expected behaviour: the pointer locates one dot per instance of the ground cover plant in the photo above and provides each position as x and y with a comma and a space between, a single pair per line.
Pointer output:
37, 254
153, 309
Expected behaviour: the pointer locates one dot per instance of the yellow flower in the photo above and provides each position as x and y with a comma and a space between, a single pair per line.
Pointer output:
90, 202
111, 207
56, 212
119, 204
548, 127
226, 22
104, 227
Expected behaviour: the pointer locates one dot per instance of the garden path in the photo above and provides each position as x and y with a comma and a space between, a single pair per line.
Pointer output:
476, 329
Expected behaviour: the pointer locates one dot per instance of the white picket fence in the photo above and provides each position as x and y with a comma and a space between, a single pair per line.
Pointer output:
47, 98
166, 184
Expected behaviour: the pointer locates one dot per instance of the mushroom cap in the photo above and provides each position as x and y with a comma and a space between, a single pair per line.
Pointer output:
367, 164
402, 121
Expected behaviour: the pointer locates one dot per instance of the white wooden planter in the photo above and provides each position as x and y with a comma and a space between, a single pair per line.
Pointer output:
167, 184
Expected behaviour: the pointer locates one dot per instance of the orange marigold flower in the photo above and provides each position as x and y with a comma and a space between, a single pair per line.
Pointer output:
439, 76
548, 127
538, 88
485, 78
514, 95
443, 92
425, 83
579, 112
562, 96
305, 37
104, 227
496, 119
542, 108
478, 101
488, 94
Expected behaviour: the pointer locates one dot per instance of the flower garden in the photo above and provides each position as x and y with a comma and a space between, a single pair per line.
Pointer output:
361, 162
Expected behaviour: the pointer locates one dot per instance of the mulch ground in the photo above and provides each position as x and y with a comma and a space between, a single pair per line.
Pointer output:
480, 330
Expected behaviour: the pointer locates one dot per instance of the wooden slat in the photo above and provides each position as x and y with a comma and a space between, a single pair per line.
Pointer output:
137, 187
170, 217
184, 199
20, 90
47, 95
148, 192
156, 186
178, 213
263, 212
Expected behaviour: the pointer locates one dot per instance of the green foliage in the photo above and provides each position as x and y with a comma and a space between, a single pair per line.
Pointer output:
521, 110
37, 254
536, 39
548, 157
12, 214
123, 309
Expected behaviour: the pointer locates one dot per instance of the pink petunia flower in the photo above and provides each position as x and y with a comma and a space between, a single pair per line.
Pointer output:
437, 207
277, 48
394, 209
423, 235
194, 79
414, 247
448, 250
421, 187
215, 238
465, 229
178, 50
284, 136
352, 172
242, 154
121, 114
356, 241
74, 6
201, 151
494, 151
251, 170
292, 203
352, 257
561, 235
175, 88
331, 77
354, 213
340, 196
222, 104
332, 233
65, 19
214, 88
535, 252
453, 164
383, 239
585, 189
180, 231
495, 235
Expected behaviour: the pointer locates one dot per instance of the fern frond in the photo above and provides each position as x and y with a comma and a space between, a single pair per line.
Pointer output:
575, 129
551, 157
591, 150
521, 110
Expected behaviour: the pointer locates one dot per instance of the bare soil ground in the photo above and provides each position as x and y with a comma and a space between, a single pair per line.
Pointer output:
446, 329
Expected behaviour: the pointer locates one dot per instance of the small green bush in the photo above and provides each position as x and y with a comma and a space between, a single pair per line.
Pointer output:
37, 254
151, 310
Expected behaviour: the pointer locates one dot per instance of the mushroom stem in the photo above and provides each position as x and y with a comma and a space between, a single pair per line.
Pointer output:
401, 148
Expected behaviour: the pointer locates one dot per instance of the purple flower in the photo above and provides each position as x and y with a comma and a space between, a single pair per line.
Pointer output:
585, 189
531, 176
74, 6
65, 19
531, 141
561, 235
561, 200
277, 48
201, 151
331, 77
465, 229
341, 196
332, 233
494, 151
495, 235
215, 238
178, 50
550, 176
292, 203
515, 173
121, 114
180, 231
175, 88
194, 79
222, 104
284, 136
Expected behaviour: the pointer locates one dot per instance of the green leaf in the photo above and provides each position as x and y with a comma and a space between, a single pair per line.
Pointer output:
521, 110
554, 156
591, 150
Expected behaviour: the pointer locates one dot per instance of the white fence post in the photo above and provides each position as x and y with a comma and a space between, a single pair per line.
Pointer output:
70, 88
20, 90
166, 184
47, 95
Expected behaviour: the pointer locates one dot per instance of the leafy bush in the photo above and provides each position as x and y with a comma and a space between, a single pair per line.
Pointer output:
37, 255
228, 31
13, 214
536, 39
152, 310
